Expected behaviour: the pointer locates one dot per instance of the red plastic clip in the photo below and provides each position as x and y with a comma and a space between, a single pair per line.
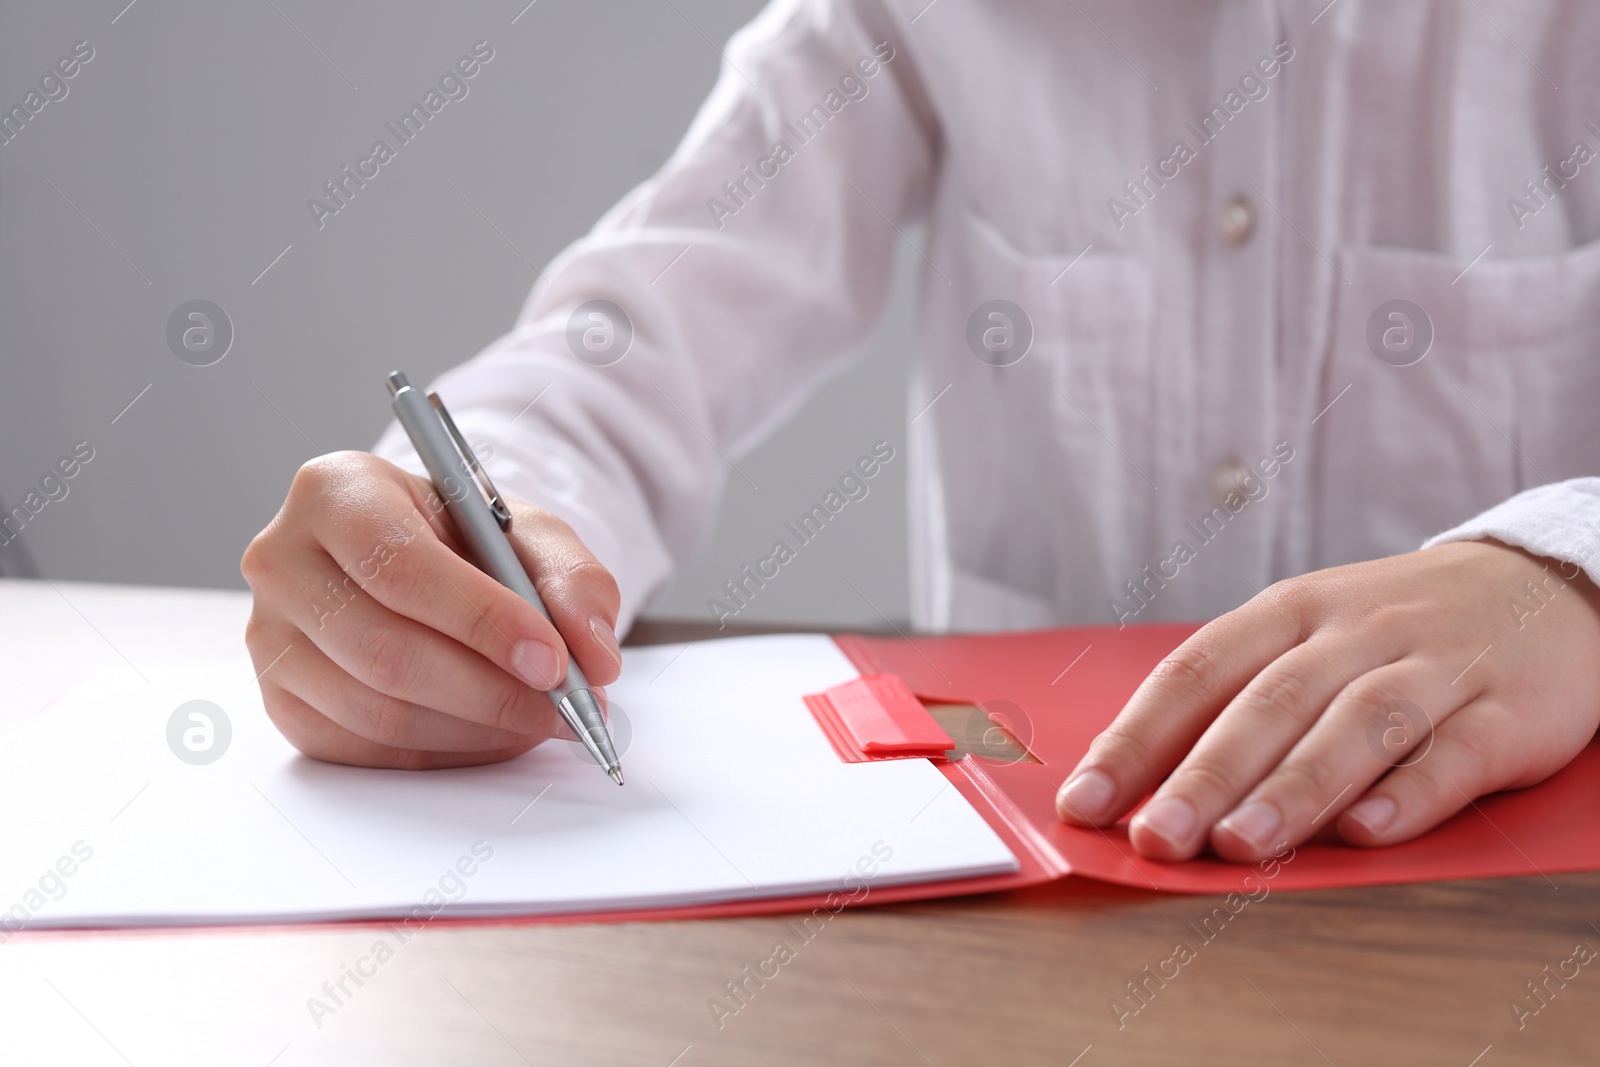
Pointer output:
877, 717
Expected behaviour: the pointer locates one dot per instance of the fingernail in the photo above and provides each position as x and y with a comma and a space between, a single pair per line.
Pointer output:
1255, 823
1086, 796
1169, 818
606, 636
537, 664
1374, 813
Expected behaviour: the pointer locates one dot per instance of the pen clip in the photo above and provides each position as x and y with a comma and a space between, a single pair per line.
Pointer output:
502, 514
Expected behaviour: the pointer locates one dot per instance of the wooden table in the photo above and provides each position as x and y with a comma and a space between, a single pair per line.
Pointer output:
1404, 975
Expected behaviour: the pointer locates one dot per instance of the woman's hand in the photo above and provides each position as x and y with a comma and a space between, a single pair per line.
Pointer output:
378, 643
1467, 668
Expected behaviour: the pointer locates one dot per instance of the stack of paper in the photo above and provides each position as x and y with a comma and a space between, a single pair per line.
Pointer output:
732, 793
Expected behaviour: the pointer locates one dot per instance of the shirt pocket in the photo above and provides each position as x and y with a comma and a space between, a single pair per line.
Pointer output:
1061, 413
1448, 390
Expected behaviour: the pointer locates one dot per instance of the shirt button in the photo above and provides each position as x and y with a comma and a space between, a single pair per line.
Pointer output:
1228, 478
1235, 221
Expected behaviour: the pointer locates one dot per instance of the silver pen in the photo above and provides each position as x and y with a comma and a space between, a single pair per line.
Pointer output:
482, 519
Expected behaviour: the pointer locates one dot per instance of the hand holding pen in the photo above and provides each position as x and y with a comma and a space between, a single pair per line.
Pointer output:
380, 642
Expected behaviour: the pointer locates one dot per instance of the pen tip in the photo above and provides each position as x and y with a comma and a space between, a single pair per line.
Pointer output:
616, 774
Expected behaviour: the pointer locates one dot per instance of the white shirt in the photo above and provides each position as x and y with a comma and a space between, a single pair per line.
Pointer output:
1202, 408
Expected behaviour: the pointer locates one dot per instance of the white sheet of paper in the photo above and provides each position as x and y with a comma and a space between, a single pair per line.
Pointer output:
732, 793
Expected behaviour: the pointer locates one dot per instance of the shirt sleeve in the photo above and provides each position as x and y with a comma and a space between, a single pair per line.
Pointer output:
1560, 520
747, 270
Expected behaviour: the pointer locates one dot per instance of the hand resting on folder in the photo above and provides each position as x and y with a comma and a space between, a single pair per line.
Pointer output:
1286, 715
405, 653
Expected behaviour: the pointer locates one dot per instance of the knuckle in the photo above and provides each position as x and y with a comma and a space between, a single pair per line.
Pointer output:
1281, 697
593, 580
1205, 778
257, 565
391, 721
337, 482
251, 563
1288, 593
575, 571
1191, 668
1305, 779
255, 629
490, 639
315, 477
1369, 693
329, 469
1120, 747
1292, 602
509, 709
387, 656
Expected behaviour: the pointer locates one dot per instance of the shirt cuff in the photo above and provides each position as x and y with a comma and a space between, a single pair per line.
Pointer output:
1560, 520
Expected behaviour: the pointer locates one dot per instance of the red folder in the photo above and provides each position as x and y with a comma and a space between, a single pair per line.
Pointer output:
1067, 685
1055, 690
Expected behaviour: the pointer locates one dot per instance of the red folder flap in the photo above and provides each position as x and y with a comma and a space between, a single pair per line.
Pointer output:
876, 716
1062, 687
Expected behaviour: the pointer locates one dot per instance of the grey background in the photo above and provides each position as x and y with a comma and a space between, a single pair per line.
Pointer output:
181, 161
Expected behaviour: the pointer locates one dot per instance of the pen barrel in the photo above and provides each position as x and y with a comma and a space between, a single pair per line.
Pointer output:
582, 711
453, 481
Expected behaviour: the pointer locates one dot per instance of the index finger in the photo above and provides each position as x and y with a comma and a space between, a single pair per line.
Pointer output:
1172, 707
